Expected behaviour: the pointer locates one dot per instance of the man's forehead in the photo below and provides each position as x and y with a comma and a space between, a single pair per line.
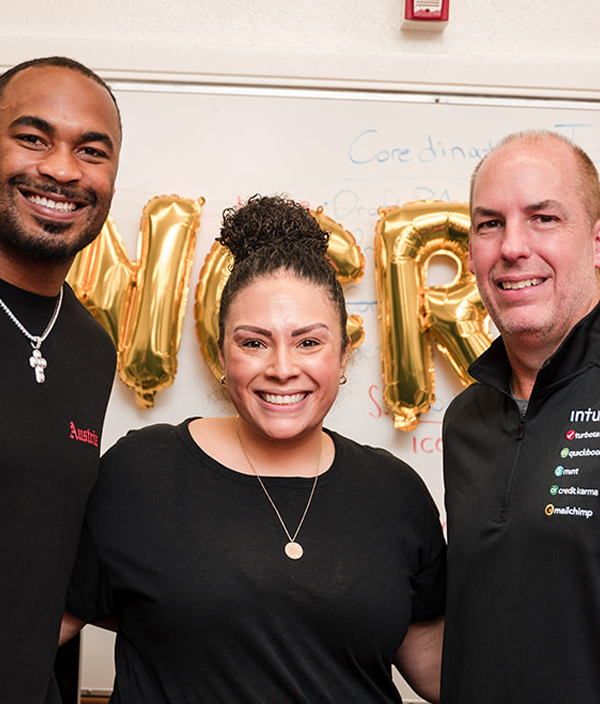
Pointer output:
545, 151
39, 75
521, 160
36, 89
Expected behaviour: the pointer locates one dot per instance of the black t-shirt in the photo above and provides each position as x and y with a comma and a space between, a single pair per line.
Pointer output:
49, 450
190, 555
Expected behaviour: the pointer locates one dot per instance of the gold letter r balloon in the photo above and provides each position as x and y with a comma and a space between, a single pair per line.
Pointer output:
414, 315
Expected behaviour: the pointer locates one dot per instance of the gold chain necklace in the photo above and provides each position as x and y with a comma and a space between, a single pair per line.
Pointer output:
292, 549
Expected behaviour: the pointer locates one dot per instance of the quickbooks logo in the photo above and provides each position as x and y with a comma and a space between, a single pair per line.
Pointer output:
585, 452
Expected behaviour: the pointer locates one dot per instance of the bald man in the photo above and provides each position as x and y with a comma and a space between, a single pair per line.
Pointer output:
522, 445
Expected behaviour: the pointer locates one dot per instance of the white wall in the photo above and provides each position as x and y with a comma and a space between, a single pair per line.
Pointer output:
522, 48
524, 45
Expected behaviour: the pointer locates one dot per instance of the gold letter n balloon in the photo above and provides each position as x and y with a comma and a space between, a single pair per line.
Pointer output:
413, 315
142, 303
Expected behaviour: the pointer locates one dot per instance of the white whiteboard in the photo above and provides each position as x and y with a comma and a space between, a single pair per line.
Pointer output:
348, 152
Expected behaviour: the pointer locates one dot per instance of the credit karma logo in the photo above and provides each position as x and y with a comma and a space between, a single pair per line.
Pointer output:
573, 490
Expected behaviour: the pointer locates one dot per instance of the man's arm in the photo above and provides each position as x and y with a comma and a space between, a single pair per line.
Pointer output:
69, 627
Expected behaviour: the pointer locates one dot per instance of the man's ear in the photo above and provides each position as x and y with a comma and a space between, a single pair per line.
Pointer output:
596, 236
470, 259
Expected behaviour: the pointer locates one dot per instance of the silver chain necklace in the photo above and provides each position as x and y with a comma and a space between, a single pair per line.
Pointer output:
36, 360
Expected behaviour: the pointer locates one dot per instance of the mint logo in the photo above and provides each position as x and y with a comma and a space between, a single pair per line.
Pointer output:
559, 470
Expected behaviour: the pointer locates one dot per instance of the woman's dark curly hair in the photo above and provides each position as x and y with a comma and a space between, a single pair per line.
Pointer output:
269, 234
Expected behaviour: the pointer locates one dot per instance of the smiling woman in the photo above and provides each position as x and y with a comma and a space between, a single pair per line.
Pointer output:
282, 321
193, 529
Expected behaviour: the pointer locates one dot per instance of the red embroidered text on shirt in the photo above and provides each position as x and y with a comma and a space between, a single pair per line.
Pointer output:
83, 435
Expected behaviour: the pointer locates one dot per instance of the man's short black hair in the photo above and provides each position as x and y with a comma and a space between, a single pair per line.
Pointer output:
61, 62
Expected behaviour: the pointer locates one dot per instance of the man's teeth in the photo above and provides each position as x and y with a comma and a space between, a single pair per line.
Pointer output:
516, 285
283, 400
61, 206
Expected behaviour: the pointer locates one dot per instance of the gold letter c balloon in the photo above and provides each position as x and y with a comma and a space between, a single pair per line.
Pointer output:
413, 315
345, 256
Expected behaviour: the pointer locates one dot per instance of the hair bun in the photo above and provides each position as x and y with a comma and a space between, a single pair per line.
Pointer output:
270, 221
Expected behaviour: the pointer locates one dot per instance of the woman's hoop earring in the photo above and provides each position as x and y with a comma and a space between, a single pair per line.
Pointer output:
223, 381
343, 379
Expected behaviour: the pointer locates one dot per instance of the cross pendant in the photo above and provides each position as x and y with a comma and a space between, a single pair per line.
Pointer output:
39, 364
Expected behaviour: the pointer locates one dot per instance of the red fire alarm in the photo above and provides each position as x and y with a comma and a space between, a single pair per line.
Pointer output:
425, 14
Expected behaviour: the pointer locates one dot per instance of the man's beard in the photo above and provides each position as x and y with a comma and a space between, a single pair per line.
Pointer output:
48, 243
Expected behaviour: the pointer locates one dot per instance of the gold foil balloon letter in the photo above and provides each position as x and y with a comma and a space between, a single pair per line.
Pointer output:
413, 315
345, 256
142, 303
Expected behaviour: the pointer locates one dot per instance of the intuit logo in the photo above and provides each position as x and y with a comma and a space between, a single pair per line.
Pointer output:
88, 436
589, 415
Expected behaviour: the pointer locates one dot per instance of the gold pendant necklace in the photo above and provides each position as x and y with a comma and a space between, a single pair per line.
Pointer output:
292, 549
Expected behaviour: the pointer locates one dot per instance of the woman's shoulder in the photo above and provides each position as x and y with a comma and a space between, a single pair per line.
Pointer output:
384, 476
148, 441
369, 457
145, 460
